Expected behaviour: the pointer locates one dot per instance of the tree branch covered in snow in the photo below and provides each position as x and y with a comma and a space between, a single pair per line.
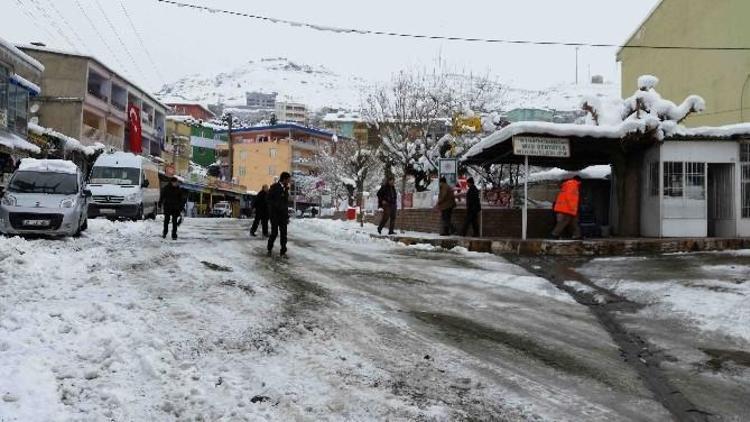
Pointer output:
351, 168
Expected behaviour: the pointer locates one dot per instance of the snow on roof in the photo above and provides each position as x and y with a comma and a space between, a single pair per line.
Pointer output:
645, 111
23, 56
53, 166
13, 141
71, 144
25, 83
343, 116
556, 174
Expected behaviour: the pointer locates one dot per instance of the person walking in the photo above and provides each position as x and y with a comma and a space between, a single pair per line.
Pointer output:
473, 207
566, 208
278, 203
172, 200
260, 205
387, 201
446, 203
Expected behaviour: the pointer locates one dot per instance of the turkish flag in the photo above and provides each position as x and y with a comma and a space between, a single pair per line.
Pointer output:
134, 122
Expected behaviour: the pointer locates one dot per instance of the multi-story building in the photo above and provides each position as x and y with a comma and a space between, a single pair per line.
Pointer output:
720, 76
259, 100
85, 99
20, 75
262, 153
177, 148
291, 113
348, 125
195, 110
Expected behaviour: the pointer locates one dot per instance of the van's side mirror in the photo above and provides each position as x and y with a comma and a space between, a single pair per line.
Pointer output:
145, 183
87, 193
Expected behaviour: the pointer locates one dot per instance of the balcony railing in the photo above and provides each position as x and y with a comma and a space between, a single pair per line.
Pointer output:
95, 93
92, 134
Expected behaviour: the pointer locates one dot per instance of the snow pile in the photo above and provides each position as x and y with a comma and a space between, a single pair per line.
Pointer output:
52, 166
12, 141
647, 82
28, 59
70, 144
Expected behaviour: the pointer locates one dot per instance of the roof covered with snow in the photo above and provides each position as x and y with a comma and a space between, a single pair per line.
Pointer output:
601, 172
70, 144
20, 55
646, 112
343, 116
52, 166
13, 141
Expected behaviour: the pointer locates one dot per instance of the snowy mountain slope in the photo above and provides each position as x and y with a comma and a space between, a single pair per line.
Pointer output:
315, 86
318, 86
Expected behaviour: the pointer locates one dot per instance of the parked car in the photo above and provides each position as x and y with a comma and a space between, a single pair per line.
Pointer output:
124, 185
46, 197
222, 209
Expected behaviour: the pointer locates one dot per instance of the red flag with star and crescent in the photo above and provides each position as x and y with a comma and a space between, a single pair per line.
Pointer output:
134, 120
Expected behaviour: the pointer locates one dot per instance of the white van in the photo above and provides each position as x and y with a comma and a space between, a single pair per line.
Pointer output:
124, 185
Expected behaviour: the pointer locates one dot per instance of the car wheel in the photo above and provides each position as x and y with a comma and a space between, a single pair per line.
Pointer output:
139, 216
85, 225
152, 216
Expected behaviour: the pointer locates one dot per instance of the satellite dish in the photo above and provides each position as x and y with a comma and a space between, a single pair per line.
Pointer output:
34, 108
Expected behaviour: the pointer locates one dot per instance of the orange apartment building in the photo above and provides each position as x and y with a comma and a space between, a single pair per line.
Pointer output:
262, 153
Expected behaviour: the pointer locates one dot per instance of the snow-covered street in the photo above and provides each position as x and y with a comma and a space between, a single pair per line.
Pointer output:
122, 325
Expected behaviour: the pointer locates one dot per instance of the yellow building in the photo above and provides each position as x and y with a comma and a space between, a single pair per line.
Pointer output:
721, 77
177, 149
262, 153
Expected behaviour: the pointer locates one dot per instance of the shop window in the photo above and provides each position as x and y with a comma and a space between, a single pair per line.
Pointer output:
673, 179
745, 178
654, 179
4, 74
695, 181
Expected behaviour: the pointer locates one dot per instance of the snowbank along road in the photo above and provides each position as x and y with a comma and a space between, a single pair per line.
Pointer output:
122, 325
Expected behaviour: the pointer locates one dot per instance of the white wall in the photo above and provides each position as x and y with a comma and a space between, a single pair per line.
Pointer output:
682, 217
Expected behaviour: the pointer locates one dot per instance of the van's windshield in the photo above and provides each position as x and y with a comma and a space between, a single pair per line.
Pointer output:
115, 176
43, 182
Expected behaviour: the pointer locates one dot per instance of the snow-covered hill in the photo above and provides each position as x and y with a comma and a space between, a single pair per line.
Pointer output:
318, 86
315, 86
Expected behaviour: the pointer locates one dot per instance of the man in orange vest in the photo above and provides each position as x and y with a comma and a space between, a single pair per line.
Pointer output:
566, 208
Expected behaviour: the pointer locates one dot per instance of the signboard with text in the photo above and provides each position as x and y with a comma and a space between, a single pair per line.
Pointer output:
449, 169
540, 146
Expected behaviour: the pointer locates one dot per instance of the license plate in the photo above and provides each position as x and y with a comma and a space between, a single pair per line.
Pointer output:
36, 223
106, 211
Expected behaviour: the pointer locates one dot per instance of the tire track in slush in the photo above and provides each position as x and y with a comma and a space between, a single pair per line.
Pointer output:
638, 353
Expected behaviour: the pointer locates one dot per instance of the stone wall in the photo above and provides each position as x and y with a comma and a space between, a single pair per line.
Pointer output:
505, 223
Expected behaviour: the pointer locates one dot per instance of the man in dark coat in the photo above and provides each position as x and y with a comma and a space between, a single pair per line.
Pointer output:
446, 204
473, 207
387, 201
278, 203
260, 205
173, 201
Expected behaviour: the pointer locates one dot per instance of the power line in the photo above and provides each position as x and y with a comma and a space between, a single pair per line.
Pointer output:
341, 30
119, 39
34, 20
143, 44
104, 41
65, 21
53, 24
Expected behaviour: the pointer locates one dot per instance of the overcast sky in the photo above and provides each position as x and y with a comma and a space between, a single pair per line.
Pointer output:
184, 41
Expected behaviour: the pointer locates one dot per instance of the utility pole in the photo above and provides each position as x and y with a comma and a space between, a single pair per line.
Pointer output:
231, 147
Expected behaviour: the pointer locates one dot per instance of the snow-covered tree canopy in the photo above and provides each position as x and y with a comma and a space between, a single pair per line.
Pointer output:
645, 111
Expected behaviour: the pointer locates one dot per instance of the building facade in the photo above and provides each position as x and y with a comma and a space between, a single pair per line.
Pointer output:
262, 153
86, 100
260, 101
291, 113
348, 125
177, 152
20, 76
721, 77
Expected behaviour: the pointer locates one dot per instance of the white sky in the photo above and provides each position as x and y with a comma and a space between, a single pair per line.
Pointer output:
183, 41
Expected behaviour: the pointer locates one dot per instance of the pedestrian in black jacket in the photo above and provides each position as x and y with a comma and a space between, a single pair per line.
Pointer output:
387, 198
278, 202
260, 205
473, 207
173, 201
